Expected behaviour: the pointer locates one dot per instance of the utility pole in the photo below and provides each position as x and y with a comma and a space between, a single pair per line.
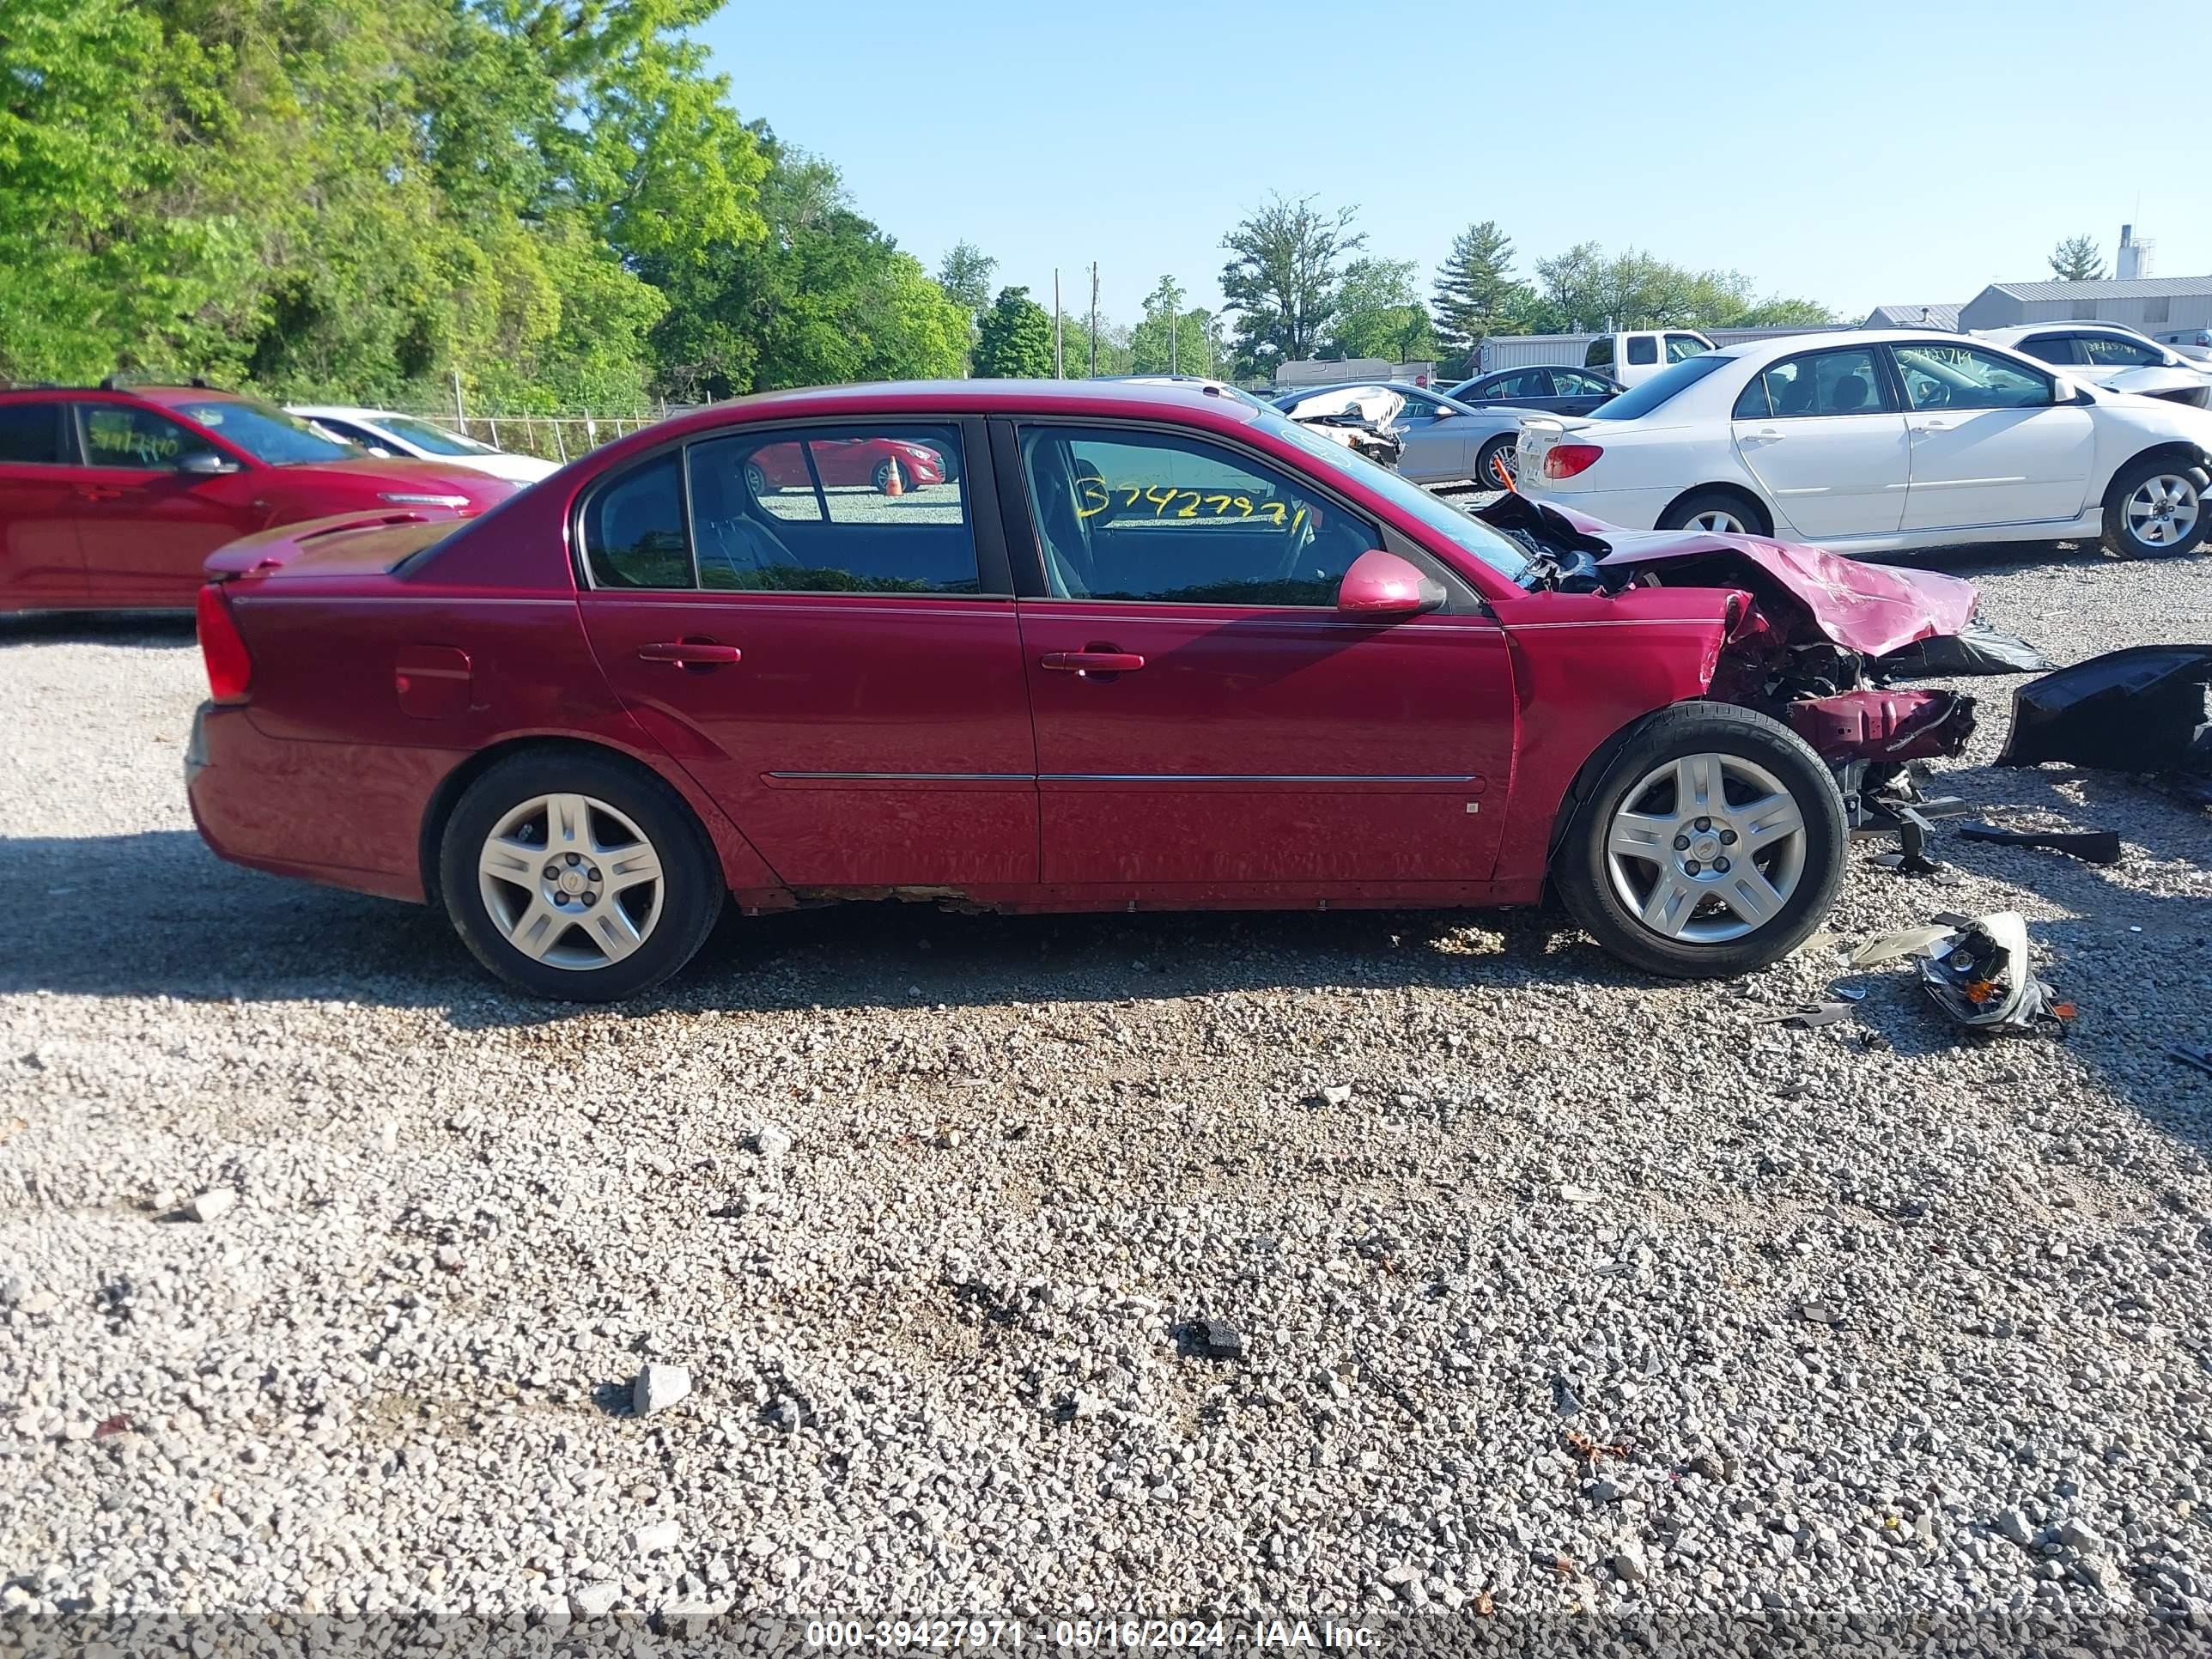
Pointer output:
1094, 319
1059, 361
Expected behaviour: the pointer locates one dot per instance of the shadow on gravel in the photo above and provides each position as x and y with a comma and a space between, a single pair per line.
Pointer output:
153, 630
156, 914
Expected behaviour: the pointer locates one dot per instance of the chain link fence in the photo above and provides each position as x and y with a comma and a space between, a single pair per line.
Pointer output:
553, 437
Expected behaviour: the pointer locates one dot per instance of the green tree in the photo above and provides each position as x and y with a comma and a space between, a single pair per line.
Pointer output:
824, 297
2077, 259
1172, 340
1585, 291
965, 273
1282, 280
1380, 315
1113, 353
1015, 338
1476, 293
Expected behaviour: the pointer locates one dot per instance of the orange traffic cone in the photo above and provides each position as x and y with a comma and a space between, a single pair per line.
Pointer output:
893, 484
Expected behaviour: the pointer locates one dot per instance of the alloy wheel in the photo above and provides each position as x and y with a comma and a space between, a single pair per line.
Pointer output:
570, 882
1504, 467
1706, 848
2162, 511
1720, 521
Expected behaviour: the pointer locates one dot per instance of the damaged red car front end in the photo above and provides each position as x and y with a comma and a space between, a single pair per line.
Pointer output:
1815, 641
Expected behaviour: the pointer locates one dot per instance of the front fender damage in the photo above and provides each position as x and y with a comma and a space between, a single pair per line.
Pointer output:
1817, 642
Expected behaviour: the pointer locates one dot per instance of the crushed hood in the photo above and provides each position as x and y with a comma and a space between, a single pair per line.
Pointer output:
1873, 609
1377, 405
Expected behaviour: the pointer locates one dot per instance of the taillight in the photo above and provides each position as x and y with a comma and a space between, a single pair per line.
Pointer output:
1564, 460
229, 669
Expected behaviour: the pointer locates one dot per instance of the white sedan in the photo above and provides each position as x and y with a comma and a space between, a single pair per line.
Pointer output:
381, 430
2107, 354
1870, 441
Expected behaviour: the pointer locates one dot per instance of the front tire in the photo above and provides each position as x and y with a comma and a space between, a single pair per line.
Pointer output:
2157, 509
578, 877
1721, 511
1711, 845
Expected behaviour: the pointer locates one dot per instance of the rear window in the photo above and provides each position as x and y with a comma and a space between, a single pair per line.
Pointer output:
30, 434
1642, 399
1642, 350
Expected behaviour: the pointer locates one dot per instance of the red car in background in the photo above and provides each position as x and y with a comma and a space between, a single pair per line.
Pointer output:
113, 497
846, 462
1158, 648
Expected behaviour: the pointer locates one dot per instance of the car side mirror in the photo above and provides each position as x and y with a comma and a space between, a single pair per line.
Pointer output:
206, 464
1444, 413
1381, 587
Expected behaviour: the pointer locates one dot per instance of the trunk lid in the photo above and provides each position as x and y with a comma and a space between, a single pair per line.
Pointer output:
346, 545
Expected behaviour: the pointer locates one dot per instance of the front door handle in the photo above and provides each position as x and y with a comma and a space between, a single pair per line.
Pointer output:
1093, 662
691, 653
1922, 427
99, 492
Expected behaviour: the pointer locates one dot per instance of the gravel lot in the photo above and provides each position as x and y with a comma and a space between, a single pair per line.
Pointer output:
1559, 1289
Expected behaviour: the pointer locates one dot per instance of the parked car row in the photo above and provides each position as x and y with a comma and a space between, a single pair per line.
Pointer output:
1871, 442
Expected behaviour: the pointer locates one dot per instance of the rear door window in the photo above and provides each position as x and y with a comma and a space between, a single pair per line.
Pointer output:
875, 509
31, 436
1819, 383
1599, 354
1642, 348
1679, 346
2051, 348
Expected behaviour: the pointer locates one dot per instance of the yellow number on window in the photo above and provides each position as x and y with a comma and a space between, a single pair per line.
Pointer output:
1298, 519
1244, 505
1275, 508
1190, 512
1136, 492
1159, 495
1092, 497
1219, 503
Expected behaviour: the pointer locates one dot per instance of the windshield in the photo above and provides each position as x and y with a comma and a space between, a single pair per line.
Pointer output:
434, 438
1454, 525
267, 433
1640, 401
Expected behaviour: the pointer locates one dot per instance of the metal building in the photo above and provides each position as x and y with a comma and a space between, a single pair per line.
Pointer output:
1943, 316
2151, 305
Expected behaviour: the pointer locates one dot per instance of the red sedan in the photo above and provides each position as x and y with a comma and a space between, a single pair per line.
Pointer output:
1158, 649
112, 497
881, 463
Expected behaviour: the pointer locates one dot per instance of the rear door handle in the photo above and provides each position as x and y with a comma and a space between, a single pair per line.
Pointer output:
1931, 426
1093, 662
99, 492
691, 653
1765, 434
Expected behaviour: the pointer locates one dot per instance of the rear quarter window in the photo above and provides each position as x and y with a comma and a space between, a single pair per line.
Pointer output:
1666, 383
30, 434
634, 534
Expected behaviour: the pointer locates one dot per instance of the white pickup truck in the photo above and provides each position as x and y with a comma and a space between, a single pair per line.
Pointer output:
1636, 355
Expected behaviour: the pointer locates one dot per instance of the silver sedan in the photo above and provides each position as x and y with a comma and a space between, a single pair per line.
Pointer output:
1446, 441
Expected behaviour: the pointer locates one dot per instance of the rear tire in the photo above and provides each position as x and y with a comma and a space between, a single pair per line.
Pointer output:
2155, 498
1661, 893
1496, 467
578, 877
1699, 511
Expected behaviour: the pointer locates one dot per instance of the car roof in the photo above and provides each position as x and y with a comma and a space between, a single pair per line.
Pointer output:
354, 411
1122, 398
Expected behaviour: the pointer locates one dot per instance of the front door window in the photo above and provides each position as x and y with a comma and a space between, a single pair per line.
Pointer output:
1148, 516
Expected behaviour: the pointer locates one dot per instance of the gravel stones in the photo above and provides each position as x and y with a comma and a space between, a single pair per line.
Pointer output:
208, 1206
931, 1372
659, 1387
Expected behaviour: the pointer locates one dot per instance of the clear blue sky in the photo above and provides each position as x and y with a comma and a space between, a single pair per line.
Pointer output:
1853, 154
